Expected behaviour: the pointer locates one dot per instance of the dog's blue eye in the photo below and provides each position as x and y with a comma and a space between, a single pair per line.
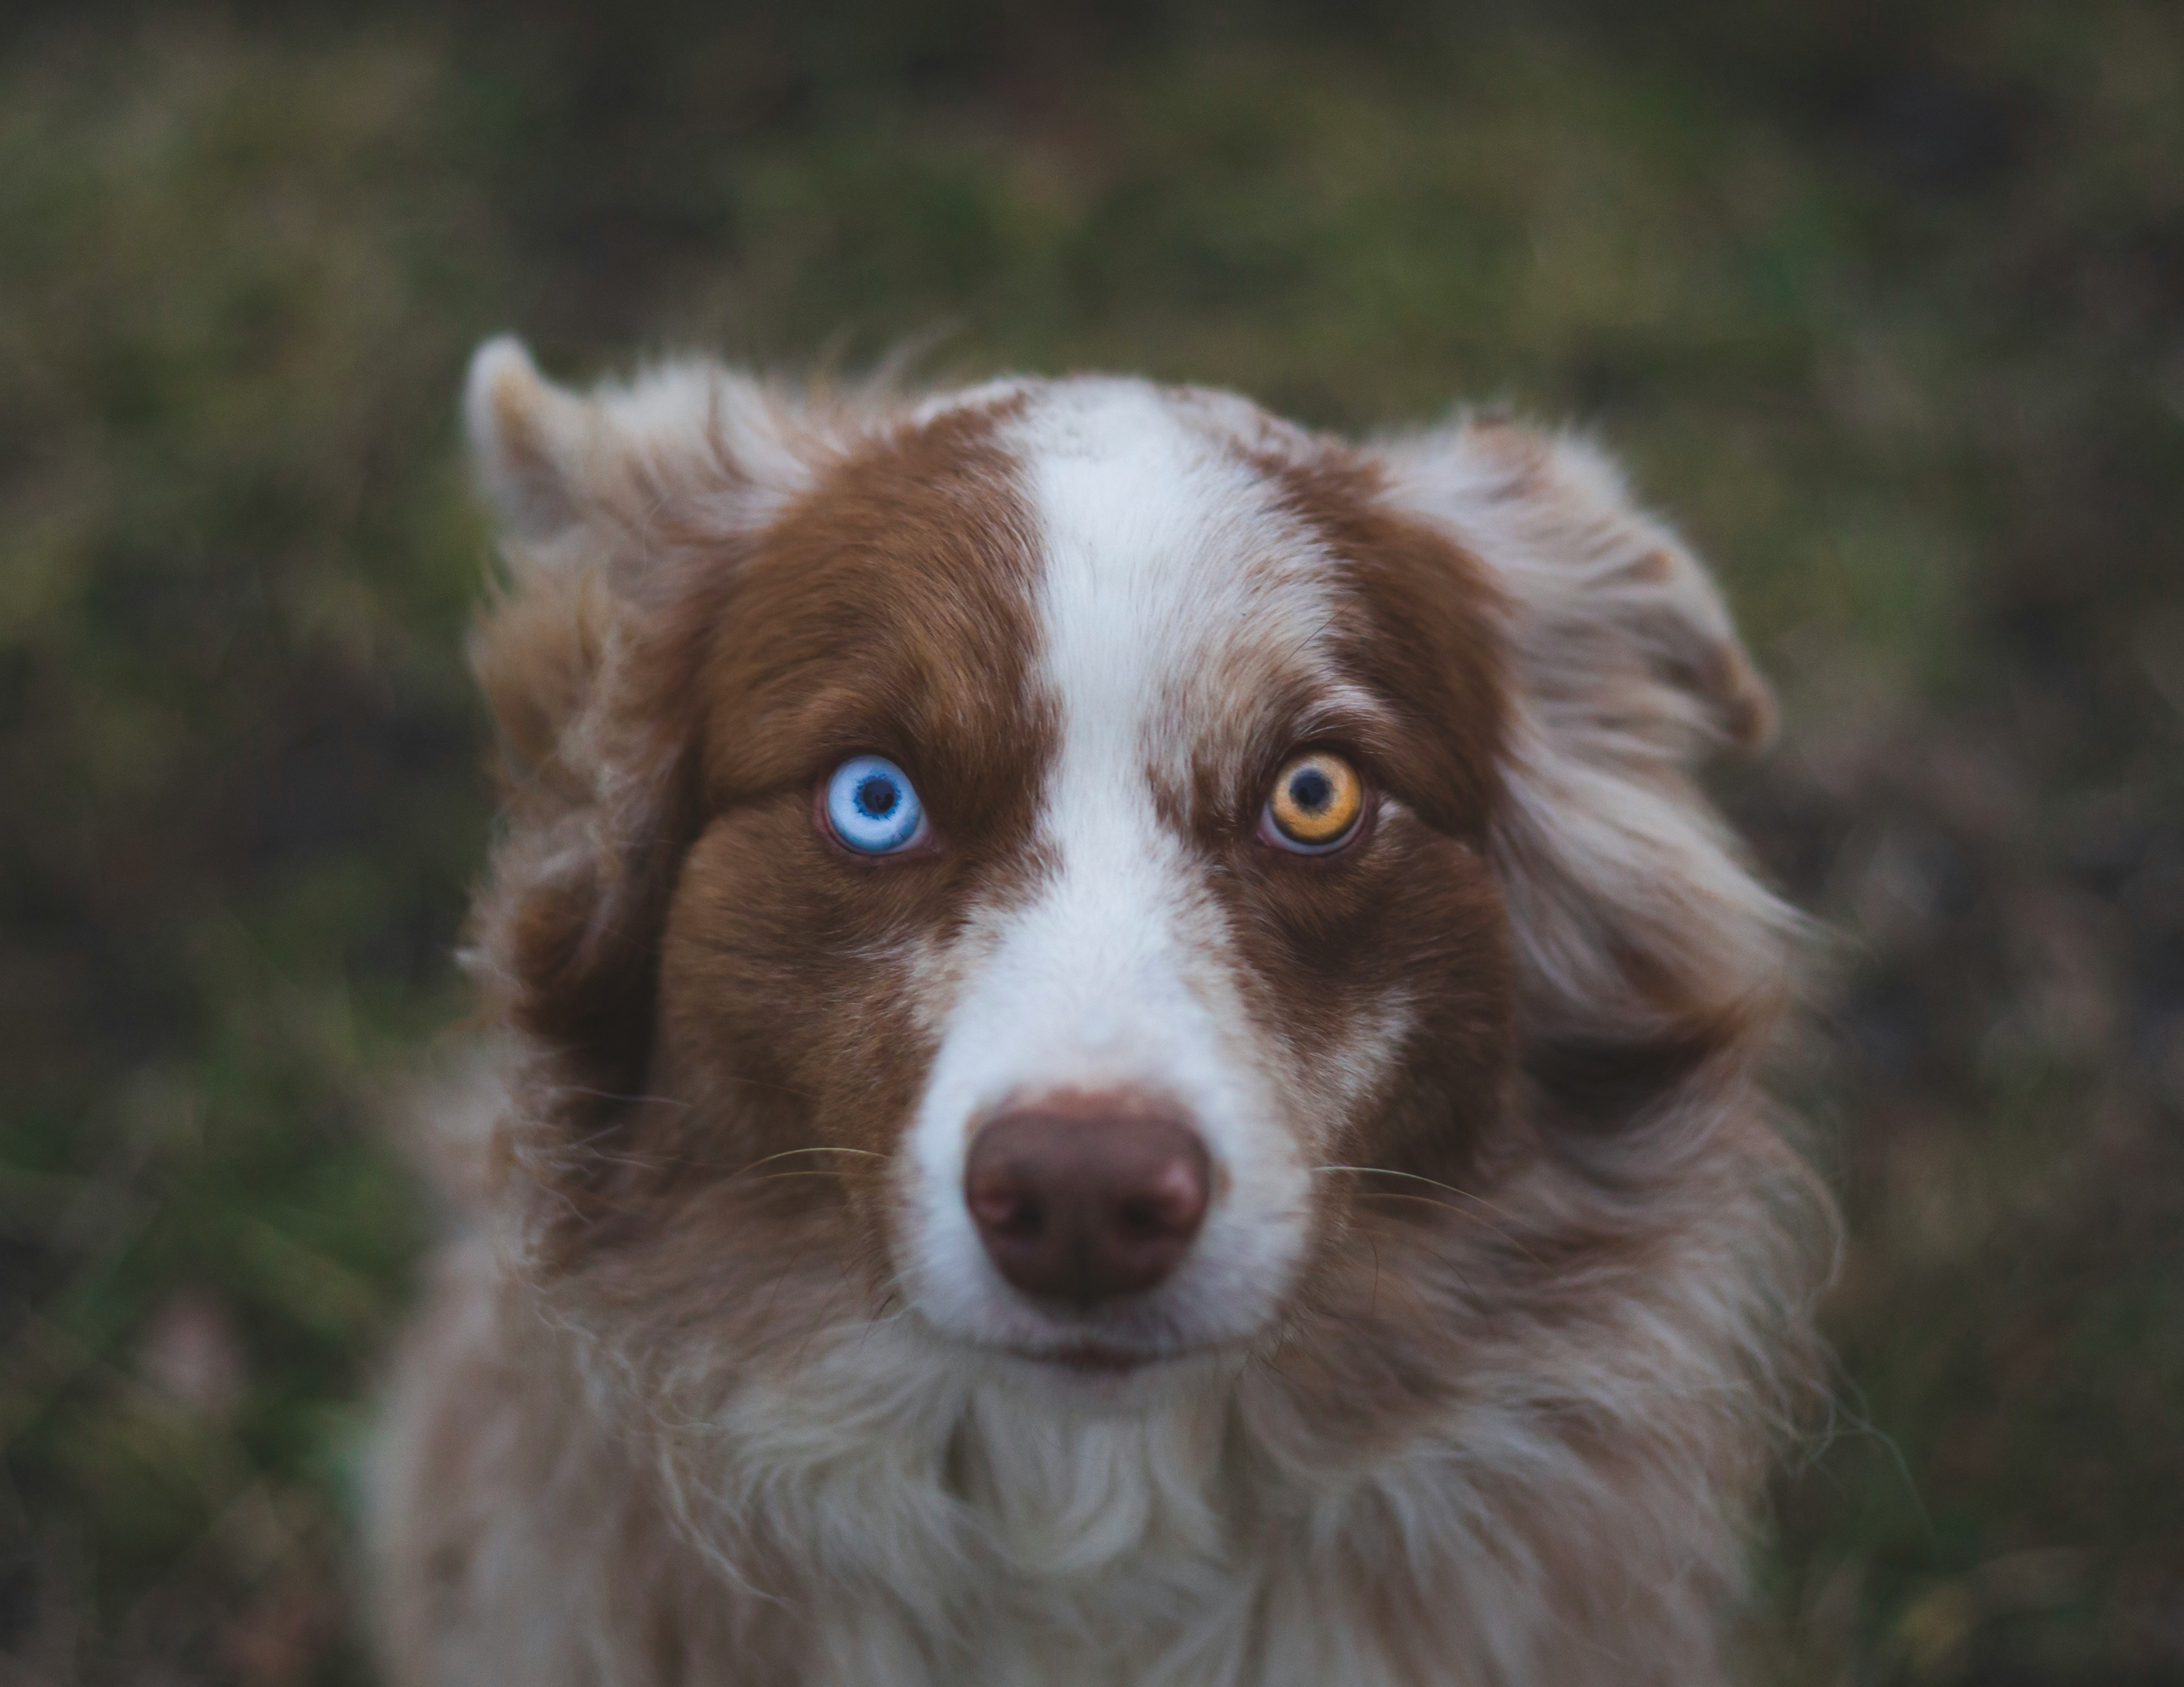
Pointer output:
872, 807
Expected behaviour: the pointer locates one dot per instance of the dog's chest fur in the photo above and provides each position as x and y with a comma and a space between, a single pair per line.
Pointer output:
914, 1524
996, 1546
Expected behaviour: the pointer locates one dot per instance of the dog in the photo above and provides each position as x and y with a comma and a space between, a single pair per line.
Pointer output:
1127, 1053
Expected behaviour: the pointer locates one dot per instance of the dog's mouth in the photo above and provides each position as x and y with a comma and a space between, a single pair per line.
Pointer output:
1093, 1358
1099, 1358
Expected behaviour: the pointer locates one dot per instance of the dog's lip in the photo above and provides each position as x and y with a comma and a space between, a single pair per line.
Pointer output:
1093, 1358
1101, 1358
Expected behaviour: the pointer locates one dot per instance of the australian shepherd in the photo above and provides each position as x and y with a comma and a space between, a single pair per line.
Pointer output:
1126, 1056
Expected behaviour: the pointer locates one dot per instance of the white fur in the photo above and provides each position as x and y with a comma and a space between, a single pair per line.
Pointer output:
1161, 560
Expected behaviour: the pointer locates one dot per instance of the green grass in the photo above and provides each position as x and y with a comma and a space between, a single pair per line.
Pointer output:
1882, 303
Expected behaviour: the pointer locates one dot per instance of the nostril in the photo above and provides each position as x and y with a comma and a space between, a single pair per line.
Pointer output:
1006, 1211
1174, 1199
1086, 1198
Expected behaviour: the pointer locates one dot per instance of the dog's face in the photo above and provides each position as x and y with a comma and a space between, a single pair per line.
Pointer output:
1038, 863
998, 715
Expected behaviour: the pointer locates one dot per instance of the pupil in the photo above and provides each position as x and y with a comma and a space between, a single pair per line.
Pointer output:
877, 797
1312, 790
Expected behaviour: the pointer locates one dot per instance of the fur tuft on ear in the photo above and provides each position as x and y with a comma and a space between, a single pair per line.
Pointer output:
686, 438
1649, 950
601, 497
528, 439
1618, 628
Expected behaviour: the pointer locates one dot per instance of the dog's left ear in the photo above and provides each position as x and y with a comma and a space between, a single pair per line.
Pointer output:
1616, 625
1646, 944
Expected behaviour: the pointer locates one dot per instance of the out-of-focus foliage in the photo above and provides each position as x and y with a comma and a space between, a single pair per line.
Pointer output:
1887, 303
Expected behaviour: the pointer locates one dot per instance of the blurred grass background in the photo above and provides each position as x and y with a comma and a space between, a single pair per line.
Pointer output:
1884, 301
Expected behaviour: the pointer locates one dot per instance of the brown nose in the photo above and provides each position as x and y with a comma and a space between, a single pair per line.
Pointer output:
1085, 1198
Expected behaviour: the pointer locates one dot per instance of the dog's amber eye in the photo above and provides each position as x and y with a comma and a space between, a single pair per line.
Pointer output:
1317, 802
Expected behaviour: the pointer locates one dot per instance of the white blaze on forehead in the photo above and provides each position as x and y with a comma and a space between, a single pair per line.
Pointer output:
1167, 570
1165, 559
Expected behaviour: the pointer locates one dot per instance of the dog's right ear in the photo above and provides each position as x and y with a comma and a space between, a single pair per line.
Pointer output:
536, 648
708, 441
602, 499
622, 512
529, 441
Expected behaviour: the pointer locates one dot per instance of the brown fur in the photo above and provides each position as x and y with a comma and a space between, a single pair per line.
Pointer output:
1509, 1422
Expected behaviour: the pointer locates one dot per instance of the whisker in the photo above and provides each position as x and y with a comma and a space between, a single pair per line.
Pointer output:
1422, 1201
1435, 1183
642, 1162
1451, 1206
775, 1176
676, 1101
891, 1301
610, 1096
791, 1153
656, 1163
1413, 1177
767, 1083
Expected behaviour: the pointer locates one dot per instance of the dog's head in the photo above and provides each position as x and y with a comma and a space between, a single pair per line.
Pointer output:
1071, 864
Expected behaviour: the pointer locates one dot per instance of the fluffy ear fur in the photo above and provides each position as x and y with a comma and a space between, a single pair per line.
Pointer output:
529, 441
1649, 951
607, 502
599, 498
